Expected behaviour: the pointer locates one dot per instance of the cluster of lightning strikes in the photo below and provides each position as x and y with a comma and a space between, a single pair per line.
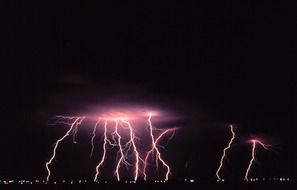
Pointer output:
224, 153
254, 144
128, 154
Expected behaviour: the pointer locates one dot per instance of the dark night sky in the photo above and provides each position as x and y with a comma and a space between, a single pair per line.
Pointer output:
215, 62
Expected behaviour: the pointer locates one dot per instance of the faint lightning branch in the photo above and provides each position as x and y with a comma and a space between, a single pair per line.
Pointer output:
78, 120
224, 153
254, 143
113, 134
93, 137
169, 138
74, 133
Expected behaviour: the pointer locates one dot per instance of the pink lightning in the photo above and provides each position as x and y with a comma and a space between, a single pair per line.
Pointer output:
93, 137
77, 121
121, 152
104, 151
132, 141
127, 149
254, 143
155, 148
117, 141
224, 153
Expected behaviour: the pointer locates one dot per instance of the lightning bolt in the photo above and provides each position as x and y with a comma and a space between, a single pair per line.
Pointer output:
254, 143
224, 153
104, 151
117, 141
132, 142
121, 153
153, 149
93, 137
76, 122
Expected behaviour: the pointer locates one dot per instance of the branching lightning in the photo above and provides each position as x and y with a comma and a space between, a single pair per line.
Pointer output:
254, 143
121, 153
132, 141
127, 146
224, 153
153, 149
76, 122
119, 133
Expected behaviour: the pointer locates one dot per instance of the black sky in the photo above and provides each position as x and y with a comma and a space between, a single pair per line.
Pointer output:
216, 62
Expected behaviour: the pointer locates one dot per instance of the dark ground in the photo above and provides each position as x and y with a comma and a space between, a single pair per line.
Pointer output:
168, 186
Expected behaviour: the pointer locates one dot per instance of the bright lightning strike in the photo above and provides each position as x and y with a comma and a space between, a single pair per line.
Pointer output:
153, 149
132, 141
76, 122
104, 151
121, 153
118, 142
128, 146
224, 153
254, 143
